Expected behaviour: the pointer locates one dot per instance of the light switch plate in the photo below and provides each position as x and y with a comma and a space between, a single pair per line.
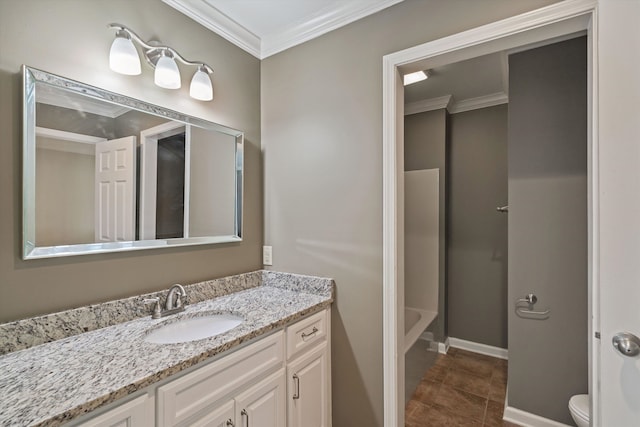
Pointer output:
267, 255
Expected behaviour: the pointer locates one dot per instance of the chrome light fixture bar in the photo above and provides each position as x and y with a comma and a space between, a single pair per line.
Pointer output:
124, 59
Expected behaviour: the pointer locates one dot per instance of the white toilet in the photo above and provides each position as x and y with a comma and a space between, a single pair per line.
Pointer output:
579, 408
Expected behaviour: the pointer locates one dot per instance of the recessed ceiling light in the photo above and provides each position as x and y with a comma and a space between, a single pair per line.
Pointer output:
416, 77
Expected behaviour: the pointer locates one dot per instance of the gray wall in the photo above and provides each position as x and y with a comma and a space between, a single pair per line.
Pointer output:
425, 147
70, 38
548, 226
477, 238
322, 145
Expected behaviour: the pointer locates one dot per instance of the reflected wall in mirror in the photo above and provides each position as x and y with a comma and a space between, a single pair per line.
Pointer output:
104, 172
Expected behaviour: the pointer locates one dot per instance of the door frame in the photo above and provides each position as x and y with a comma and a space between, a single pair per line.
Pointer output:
557, 20
148, 175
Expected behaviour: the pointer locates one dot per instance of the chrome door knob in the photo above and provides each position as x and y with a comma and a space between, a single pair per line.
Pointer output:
627, 344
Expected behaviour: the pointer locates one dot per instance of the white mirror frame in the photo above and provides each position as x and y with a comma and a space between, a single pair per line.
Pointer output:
32, 77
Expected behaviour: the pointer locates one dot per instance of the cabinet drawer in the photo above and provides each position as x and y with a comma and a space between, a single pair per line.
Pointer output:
306, 333
184, 397
136, 412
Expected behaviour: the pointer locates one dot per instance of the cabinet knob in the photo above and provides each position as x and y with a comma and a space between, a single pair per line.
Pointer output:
230, 423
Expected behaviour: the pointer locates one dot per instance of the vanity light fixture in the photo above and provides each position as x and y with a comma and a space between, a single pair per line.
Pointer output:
416, 77
124, 59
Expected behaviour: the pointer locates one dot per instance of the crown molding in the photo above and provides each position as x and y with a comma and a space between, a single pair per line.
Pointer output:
453, 107
428, 105
208, 16
321, 23
490, 100
314, 26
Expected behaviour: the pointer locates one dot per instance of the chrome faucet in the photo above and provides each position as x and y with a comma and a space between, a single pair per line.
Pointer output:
172, 305
174, 301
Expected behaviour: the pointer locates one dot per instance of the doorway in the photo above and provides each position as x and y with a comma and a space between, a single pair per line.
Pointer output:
545, 24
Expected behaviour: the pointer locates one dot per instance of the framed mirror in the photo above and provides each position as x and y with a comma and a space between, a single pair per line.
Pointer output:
105, 172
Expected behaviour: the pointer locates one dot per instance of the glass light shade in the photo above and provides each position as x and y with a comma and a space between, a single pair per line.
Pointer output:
167, 74
415, 77
123, 57
201, 87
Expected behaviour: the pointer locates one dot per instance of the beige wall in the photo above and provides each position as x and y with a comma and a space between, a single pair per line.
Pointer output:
322, 142
65, 196
70, 38
212, 189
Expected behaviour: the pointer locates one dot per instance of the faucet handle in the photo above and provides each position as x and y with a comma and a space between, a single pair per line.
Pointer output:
156, 309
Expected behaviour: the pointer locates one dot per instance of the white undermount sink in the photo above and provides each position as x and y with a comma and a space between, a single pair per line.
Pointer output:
193, 328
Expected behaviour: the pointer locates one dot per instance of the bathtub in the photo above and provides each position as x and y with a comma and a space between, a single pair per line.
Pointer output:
415, 322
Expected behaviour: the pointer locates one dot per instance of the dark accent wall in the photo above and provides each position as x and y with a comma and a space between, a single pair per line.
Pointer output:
477, 238
425, 147
548, 359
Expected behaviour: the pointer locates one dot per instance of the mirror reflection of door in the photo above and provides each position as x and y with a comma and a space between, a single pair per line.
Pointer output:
115, 195
170, 187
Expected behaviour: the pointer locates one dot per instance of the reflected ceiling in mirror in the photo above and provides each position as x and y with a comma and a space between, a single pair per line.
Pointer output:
104, 173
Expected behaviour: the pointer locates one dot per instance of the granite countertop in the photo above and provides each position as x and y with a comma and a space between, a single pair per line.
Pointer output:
52, 383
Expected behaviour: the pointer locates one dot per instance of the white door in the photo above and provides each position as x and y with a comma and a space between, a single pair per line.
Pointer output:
618, 79
222, 416
308, 394
115, 190
263, 405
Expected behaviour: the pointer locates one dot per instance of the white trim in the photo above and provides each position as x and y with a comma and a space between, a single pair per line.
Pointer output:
427, 105
149, 174
559, 18
443, 347
321, 23
68, 136
393, 373
261, 47
453, 107
497, 31
500, 353
527, 419
485, 101
593, 245
211, 18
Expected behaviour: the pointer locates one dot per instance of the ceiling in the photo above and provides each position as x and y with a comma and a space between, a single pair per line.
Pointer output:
475, 83
266, 27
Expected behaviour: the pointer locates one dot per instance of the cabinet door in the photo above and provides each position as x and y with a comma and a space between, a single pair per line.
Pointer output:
135, 413
308, 385
222, 416
264, 404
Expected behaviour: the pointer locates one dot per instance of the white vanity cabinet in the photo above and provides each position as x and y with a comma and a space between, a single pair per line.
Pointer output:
135, 412
309, 372
280, 380
262, 404
197, 394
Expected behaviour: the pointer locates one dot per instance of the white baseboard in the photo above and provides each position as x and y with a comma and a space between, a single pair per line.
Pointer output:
500, 353
527, 419
443, 347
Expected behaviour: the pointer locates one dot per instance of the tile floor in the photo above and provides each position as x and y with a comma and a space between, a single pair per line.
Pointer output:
461, 389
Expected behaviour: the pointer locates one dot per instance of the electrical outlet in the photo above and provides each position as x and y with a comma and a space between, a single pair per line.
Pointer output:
267, 255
